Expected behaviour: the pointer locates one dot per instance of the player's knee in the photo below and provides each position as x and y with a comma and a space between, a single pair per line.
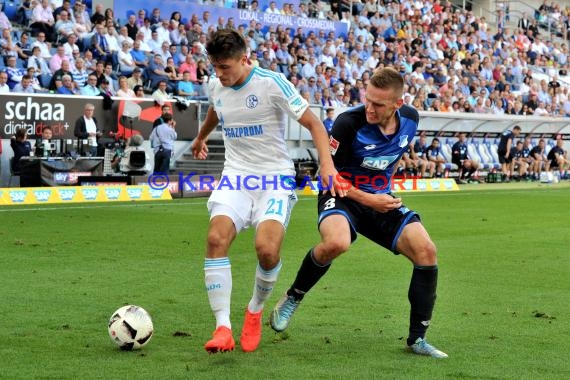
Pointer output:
426, 254
217, 241
267, 254
333, 248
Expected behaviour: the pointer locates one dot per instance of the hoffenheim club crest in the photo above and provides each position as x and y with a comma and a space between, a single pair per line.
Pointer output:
251, 101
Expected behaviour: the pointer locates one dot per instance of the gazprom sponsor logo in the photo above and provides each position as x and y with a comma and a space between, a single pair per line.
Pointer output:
18, 196
42, 195
67, 194
90, 194
112, 193
247, 131
135, 193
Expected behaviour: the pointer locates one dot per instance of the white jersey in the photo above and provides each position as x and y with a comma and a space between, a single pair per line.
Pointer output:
253, 117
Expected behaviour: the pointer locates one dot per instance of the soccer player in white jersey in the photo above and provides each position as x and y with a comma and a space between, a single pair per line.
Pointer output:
252, 105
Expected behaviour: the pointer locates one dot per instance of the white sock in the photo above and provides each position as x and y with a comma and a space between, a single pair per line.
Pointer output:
218, 279
263, 287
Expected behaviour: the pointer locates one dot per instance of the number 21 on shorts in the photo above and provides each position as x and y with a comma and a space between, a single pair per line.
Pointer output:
274, 207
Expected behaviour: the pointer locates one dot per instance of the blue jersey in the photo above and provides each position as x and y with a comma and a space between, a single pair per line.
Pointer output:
363, 154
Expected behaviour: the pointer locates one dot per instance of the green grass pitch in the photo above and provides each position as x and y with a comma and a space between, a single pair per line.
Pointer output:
502, 311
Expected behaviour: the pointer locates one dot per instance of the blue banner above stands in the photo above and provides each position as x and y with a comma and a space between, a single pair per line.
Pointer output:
241, 16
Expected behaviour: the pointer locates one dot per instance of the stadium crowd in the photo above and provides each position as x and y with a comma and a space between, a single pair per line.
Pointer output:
451, 59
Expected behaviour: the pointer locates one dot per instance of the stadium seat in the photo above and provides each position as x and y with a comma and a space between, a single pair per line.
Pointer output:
11, 10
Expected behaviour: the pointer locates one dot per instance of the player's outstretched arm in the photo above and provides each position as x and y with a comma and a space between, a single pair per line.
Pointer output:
320, 138
199, 148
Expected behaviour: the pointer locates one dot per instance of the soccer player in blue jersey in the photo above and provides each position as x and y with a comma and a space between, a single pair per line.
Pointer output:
366, 143
252, 105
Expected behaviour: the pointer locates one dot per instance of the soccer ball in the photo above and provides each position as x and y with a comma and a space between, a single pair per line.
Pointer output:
130, 327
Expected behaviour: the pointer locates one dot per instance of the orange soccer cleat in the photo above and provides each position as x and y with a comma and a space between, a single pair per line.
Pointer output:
222, 341
251, 332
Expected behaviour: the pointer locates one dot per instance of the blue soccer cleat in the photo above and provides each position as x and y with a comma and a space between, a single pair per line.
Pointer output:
282, 313
422, 347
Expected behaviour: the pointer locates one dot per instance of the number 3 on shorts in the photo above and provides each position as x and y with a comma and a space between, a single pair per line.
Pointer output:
274, 207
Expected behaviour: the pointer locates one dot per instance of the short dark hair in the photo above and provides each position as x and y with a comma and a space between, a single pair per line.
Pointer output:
21, 133
167, 118
516, 128
388, 78
224, 44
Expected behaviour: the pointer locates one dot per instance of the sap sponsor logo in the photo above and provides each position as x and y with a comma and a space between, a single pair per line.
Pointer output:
42, 195
378, 163
155, 193
435, 185
113, 193
135, 193
90, 194
66, 194
18, 196
448, 184
422, 185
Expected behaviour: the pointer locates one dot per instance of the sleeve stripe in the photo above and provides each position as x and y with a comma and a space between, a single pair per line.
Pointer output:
285, 87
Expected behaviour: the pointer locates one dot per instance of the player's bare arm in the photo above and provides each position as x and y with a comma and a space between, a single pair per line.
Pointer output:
321, 141
199, 148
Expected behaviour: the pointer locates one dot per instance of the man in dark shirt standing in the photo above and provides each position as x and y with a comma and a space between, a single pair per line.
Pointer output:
504, 151
460, 158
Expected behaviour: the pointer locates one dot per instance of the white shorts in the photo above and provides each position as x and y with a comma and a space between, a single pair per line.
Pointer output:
249, 207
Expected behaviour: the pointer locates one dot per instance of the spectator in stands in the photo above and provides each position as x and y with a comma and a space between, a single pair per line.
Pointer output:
25, 85
329, 120
162, 140
156, 72
86, 128
68, 86
98, 16
434, 155
541, 162
504, 151
91, 88
43, 45
126, 61
186, 87
40, 66
4, 88
132, 28
139, 91
43, 21
99, 46
79, 73
124, 89
57, 59
64, 26
21, 147
136, 79
15, 74
58, 74
559, 158
161, 95
460, 157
